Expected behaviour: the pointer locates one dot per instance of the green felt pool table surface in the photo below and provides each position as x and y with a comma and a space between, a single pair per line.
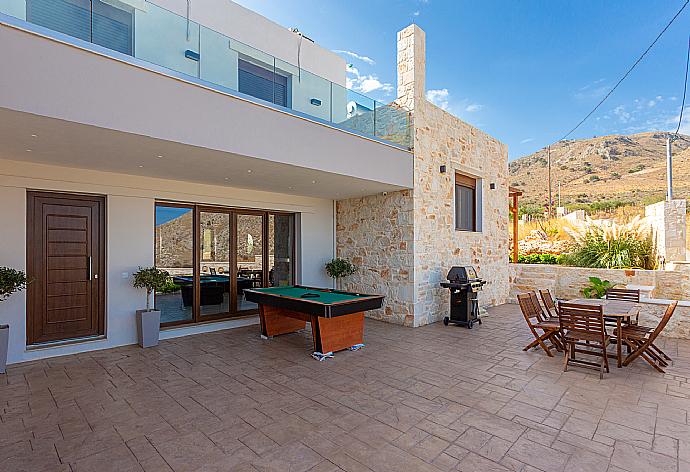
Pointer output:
325, 296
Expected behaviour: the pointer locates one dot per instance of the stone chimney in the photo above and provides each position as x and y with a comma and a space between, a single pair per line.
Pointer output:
411, 65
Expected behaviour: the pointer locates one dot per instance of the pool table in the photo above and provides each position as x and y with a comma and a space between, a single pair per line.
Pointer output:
336, 317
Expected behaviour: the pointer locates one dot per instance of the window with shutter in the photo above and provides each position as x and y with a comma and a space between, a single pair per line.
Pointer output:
96, 22
262, 83
465, 203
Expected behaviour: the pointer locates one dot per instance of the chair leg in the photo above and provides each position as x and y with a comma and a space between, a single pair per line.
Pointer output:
606, 358
566, 357
651, 362
659, 351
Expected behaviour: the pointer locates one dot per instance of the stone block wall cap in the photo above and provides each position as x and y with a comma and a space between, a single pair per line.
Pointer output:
663, 301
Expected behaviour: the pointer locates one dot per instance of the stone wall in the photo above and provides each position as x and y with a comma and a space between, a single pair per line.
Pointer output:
376, 234
669, 229
443, 139
567, 282
405, 242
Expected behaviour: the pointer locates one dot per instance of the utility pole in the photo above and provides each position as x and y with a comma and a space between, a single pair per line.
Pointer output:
559, 193
669, 167
548, 151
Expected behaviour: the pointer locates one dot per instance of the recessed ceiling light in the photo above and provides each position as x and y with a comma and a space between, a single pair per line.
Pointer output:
34, 136
28, 150
313, 181
227, 178
141, 167
159, 156
249, 171
291, 188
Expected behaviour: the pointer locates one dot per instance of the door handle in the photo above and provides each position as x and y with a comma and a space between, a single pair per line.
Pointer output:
90, 264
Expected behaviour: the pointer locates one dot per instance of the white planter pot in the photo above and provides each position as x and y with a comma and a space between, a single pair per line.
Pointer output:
148, 327
4, 344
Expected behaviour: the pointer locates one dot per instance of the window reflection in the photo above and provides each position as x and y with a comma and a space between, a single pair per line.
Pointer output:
174, 253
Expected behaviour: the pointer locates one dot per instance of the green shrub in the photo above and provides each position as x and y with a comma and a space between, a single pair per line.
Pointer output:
611, 248
637, 168
597, 288
151, 279
11, 281
538, 259
338, 268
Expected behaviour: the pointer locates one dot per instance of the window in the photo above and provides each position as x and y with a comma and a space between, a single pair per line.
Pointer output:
465, 203
93, 21
213, 254
262, 83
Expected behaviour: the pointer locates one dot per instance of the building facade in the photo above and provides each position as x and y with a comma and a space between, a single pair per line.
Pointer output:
405, 242
224, 148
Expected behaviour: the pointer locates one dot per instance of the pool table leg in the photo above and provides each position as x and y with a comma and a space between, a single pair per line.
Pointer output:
273, 323
336, 334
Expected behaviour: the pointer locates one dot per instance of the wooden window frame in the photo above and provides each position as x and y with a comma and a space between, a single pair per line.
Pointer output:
197, 318
465, 181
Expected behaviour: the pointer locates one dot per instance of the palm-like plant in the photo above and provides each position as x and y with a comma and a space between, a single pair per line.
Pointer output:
610, 245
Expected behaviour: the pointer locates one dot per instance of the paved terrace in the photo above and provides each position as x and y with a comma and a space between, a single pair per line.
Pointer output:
429, 399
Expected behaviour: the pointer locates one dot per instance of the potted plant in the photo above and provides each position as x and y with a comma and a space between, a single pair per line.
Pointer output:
149, 320
11, 281
339, 268
597, 288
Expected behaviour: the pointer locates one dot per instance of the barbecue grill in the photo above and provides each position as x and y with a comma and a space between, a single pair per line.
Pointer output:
463, 284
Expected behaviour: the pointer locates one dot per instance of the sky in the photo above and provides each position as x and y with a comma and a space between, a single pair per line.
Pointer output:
525, 71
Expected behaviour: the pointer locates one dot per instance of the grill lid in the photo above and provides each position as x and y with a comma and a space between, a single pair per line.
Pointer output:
462, 274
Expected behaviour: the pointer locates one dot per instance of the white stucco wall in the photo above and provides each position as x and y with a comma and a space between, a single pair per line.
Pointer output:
47, 78
130, 229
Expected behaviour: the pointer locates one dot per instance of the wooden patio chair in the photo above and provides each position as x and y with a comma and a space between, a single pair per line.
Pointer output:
583, 331
534, 318
624, 294
549, 303
641, 339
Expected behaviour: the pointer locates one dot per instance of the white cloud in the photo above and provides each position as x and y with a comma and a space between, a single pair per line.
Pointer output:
438, 97
526, 140
365, 59
593, 90
623, 116
366, 83
473, 107
416, 13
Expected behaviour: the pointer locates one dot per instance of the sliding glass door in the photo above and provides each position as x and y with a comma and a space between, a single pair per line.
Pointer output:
250, 228
214, 254
174, 247
215, 287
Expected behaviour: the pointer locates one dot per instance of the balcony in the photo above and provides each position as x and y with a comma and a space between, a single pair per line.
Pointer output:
153, 37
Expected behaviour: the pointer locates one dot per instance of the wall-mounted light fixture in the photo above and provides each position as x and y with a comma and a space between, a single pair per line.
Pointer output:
442, 169
193, 55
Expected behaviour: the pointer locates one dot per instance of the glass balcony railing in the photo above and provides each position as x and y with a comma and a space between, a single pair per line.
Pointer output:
153, 34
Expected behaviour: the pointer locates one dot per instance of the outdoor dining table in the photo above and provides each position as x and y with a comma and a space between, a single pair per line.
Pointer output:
618, 309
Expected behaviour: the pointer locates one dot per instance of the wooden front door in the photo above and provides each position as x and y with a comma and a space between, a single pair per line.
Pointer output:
66, 265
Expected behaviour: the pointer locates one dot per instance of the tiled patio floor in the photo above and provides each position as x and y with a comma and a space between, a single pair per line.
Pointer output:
427, 399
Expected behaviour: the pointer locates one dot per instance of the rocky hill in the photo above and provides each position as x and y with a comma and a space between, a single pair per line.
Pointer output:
627, 168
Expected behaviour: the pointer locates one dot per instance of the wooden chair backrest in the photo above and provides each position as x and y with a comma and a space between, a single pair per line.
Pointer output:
662, 324
537, 306
626, 294
529, 311
549, 304
581, 319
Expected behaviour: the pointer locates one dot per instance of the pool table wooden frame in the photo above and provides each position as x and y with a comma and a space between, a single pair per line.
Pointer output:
335, 326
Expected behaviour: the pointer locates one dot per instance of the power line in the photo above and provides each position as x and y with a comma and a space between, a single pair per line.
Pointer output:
685, 89
628, 72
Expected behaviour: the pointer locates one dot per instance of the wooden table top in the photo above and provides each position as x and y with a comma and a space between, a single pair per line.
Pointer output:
620, 308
